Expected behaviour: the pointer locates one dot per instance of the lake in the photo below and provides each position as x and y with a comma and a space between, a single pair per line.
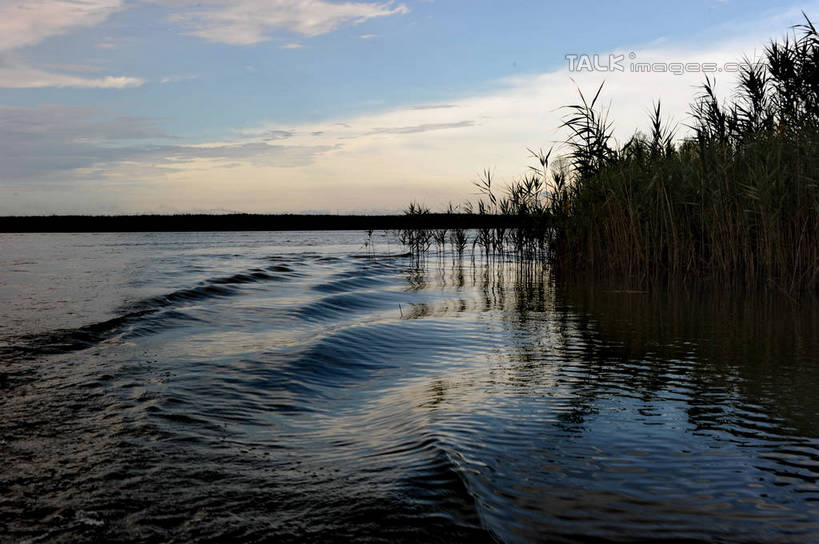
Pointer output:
292, 386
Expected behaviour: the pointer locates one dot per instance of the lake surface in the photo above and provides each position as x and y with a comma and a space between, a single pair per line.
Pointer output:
299, 386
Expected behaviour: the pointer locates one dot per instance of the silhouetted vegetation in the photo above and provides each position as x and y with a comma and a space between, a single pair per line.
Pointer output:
738, 198
247, 222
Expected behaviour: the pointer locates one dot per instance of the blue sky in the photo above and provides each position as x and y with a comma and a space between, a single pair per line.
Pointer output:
175, 105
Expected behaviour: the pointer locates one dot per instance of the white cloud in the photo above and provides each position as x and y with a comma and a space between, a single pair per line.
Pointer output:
378, 161
60, 142
24, 23
434, 151
430, 152
25, 77
433, 106
79, 68
279, 135
178, 78
246, 22
422, 127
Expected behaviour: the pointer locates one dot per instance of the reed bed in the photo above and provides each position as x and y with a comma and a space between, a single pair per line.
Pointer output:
736, 199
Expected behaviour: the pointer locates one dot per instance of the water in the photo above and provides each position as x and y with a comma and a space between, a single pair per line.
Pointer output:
285, 387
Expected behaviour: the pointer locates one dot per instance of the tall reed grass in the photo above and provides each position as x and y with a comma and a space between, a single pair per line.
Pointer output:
738, 198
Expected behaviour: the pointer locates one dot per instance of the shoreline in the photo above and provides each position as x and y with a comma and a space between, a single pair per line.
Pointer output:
249, 222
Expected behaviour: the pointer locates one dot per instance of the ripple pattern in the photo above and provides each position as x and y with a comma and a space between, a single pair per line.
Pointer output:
329, 396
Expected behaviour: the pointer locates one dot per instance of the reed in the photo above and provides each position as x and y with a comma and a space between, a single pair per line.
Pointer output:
736, 199
417, 240
739, 199
457, 236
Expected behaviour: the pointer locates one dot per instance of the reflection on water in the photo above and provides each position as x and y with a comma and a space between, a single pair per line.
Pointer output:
282, 387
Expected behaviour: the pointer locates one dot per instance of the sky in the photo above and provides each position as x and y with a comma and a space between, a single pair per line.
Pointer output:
264, 106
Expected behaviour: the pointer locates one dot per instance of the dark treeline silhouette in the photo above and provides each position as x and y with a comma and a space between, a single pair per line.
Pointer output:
258, 222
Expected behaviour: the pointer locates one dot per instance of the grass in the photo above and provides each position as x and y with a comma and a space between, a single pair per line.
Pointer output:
738, 199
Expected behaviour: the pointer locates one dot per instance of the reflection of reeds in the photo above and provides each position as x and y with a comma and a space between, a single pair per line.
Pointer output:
417, 240
457, 238
739, 198
457, 235
752, 345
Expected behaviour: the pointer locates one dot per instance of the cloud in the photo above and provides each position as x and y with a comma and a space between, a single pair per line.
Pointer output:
55, 138
278, 135
61, 122
270, 134
264, 133
256, 153
380, 160
424, 127
30, 22
79, 68
433, 106
434, 151
20, 76
247, 22
292, 45
178, 78
60, 143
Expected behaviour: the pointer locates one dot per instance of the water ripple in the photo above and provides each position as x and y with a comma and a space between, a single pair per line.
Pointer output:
310, 396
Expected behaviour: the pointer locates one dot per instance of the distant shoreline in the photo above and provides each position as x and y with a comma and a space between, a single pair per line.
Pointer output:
246, 222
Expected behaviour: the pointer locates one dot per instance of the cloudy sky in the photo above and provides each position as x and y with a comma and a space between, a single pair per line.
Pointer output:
118, 106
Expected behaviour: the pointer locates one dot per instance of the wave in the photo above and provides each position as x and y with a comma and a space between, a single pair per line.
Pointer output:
142, 317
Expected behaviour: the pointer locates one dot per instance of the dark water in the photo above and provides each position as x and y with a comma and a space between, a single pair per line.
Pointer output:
283, 387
